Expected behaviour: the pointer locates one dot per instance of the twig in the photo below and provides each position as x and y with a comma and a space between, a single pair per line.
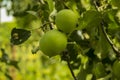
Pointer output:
41, 1
68, 63
115, 49
96, 6
67, 59
35, 50
43, 25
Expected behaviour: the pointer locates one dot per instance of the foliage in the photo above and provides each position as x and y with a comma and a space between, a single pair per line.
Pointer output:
93, 46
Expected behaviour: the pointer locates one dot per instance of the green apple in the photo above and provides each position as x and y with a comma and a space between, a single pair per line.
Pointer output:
66, 20
53, 43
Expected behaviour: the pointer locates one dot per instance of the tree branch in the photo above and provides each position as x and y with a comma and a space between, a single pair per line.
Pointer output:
43, 25
67, 59
68, 63
115, 49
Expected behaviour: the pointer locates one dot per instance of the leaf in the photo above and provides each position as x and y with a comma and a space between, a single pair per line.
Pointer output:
91, 55
59, 5
78, 38
14, 63
99, 70
51, 5
4, 57
19, 36
33, 13
102, 47
8, 76
116, 3
83, 73
45, 12
71, 5
112, 19
118, 36
89, 19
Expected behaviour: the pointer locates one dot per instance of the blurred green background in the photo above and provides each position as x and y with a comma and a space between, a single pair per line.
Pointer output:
18, 62
28, 66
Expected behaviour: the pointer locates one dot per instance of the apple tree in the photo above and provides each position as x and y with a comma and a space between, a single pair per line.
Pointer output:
84, 33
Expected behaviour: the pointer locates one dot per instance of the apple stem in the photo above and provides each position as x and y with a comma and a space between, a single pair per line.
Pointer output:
35, 50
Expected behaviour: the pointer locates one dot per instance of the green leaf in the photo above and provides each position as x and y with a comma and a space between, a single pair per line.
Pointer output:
51, 5
102, 48
89, 19
8, 76
83, 73
112, 22
33, 13
116, 3
71, 4
19, 36
78, 38
118, 36
45, 12
99, 70
14, 63
5, 57
59, 5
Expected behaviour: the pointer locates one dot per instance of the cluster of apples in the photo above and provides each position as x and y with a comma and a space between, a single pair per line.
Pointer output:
53, 42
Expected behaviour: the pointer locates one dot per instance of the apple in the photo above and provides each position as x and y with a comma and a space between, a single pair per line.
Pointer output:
53, 43
66, 20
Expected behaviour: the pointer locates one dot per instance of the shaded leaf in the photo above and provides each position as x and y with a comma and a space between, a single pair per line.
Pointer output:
91, 54
82, 75
89, 19
8, 76
102, 47
78, 38
59, 5
99, 70
116, 3
4, 57
19, 36
14, 63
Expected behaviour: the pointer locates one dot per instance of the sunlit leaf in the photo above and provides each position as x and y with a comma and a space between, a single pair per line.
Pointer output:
33, 13
51, 5
116, 3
